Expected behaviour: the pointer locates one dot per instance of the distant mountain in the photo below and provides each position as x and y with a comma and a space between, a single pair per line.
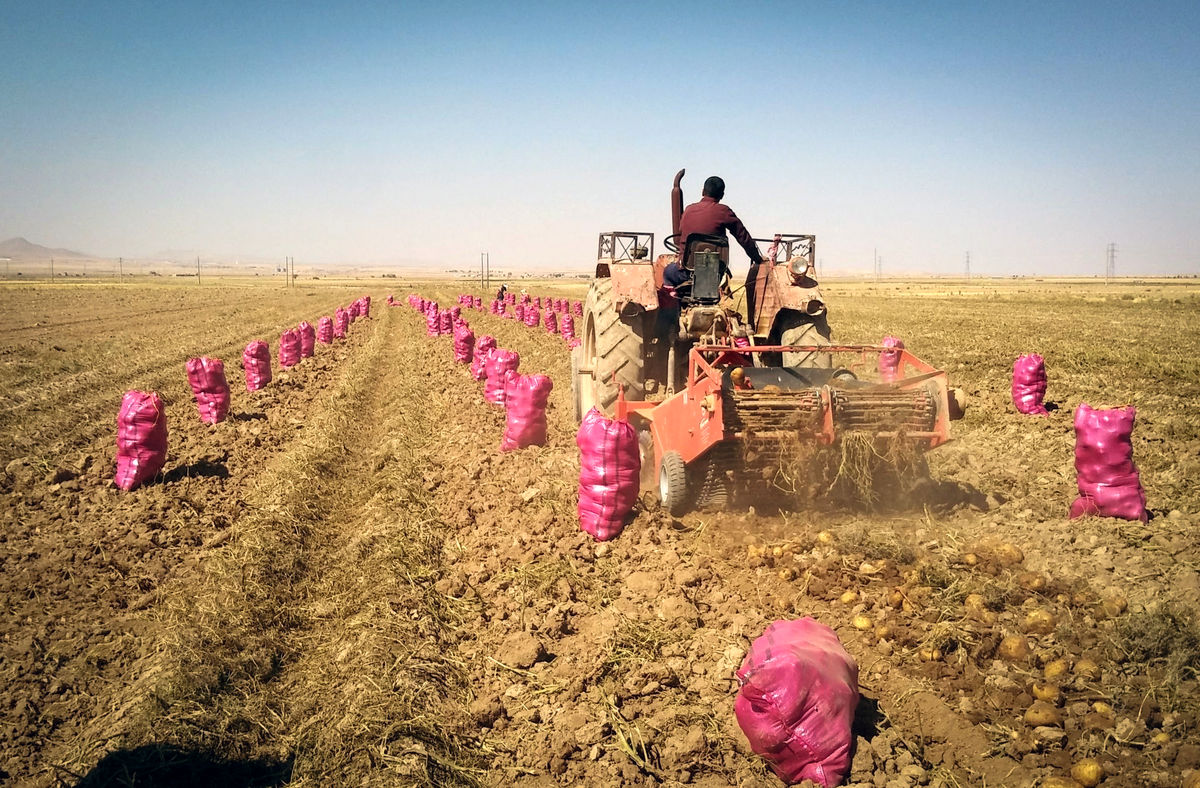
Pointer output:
20, 249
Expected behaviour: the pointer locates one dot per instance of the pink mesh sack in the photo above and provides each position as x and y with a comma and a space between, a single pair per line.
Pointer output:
525, 406
325, 330
498, 362
797, 700
308, 338
538, 302
341, 321
485, 345
566, 325
209, 387
289, 348
366, 306
433, 324
445, 323
609, 474
1029, 384
1108, 481
519, 311
141, 438
351, 312
531, 316
455, 313
889, 360
551, 322
256, 361
577, 309
464, 344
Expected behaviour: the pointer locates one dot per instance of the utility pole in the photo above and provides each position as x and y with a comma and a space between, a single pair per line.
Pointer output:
482, 274
1110, 263
120, 267
968, 265
51, 269
878, 264
197, 270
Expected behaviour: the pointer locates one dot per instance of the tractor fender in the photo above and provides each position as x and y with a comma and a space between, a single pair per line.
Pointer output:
635, 283
778, 293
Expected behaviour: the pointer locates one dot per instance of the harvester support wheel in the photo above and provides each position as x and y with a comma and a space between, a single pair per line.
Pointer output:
800, 329
613, 346
673, 484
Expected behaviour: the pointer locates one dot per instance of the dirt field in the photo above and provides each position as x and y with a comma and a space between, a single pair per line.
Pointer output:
347, 584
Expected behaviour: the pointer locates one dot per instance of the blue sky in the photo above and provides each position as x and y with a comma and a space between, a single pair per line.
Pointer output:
1030, 134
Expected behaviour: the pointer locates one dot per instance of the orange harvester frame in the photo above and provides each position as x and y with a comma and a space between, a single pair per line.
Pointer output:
691, 422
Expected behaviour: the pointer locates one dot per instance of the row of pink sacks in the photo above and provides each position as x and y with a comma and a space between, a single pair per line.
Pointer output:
142, 419
524, 397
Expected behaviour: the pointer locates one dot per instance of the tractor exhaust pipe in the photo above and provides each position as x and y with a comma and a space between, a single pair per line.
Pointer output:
677, 205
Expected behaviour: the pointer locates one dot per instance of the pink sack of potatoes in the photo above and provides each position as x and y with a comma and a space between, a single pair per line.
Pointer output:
464, 344
289, 348
308, 338
550, 322
351, 313
889, 360
531, 316
455, 313
256, 360
797, 700
538, 302
433, 324
325, 330
498, 362
141, 438
209, 386
609, 474
577, 309
1029, 384
445, 323
341, 321
479, 302
566, 325
1108, 481
366, 306
525, 401
519, 311
485, 345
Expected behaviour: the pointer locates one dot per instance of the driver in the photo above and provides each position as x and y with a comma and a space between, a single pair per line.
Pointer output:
710, 217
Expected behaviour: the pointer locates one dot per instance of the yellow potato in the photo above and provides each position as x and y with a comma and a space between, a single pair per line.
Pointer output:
1046, 692
930, 654
1087, 772
970, 559
824, 537
1009, 554
1014, 648
848, 597
1040, 622
1032, 581
863, 623
1041, 713
884, 632
1087, 668
1056, 669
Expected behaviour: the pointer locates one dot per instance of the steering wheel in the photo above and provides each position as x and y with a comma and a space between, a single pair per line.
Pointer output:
672, 243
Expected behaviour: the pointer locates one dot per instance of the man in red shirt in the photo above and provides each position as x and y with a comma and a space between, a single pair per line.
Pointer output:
710, 217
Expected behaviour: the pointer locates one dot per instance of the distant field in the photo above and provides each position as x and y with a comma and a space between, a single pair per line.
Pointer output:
346, 583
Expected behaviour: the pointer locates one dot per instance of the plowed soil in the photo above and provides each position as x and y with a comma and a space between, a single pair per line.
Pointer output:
348, 583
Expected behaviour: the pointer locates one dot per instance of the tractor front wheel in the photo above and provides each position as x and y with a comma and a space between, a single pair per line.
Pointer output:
797, 328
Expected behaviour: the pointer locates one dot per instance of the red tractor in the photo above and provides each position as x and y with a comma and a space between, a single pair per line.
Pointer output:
701, 379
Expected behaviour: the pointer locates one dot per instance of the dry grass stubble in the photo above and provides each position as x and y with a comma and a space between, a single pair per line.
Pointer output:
317, 635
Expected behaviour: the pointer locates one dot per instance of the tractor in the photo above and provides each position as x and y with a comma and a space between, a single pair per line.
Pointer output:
703, 381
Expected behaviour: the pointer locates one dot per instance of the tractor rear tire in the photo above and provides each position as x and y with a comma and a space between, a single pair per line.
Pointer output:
613, 345
673, 484
801, 329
